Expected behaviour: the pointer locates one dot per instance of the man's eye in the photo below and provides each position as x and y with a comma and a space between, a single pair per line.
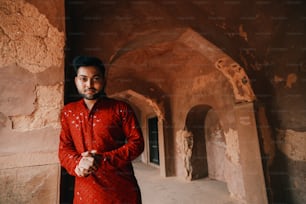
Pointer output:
83, 79
96, 79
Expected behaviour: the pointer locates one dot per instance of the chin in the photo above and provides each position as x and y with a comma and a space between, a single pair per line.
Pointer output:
91, 96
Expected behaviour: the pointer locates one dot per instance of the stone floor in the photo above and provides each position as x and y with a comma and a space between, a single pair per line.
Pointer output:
172, 190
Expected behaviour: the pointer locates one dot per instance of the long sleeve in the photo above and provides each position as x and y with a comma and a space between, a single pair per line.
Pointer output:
134, 140
67, 153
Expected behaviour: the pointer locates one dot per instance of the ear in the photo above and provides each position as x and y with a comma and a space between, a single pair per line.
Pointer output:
75, 79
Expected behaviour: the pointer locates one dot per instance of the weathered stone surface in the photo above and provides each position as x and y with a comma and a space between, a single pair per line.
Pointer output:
17, 88
232, 146
250, 157
27, 38
234, 180
292, 144
30, 49
216, 161
184, 141
48, 104
32, 184
16, 143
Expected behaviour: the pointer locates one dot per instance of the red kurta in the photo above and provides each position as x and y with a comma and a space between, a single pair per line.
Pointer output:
112, 129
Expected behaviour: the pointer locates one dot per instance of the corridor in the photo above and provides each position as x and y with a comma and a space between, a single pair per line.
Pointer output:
172, 190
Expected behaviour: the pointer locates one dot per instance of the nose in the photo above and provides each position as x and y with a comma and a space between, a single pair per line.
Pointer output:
89, 83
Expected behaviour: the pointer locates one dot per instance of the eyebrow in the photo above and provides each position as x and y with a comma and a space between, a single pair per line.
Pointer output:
92, 76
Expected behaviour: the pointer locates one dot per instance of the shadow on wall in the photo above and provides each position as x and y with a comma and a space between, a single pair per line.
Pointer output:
282, 181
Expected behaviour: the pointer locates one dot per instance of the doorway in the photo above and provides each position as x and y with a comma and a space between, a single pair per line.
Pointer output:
153, 140
195, 123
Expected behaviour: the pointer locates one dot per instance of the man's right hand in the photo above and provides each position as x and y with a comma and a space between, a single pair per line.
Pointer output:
86, 165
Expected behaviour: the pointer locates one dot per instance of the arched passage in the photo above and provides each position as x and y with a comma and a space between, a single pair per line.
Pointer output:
181, 71
208, 151
195, 124
145, 110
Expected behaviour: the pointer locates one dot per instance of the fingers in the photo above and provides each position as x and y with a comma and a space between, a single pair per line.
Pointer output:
89, 153
85, 154
93, 152
81, 172
87, 164
78, 171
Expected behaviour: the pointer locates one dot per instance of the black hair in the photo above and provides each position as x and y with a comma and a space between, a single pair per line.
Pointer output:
88, 61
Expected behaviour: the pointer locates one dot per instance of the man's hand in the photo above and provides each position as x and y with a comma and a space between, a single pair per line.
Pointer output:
87, 164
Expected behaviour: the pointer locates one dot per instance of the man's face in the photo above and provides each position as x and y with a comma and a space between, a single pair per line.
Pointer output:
89, 82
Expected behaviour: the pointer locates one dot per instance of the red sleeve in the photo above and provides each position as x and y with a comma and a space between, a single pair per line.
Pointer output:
134, 140
67, 153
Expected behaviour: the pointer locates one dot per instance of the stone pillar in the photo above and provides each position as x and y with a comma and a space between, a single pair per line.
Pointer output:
31, 87
161, 144
250, 157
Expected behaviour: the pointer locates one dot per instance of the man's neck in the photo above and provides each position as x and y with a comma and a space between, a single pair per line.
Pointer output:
90, 103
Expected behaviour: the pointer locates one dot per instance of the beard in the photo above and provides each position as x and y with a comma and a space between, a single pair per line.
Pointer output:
92, 96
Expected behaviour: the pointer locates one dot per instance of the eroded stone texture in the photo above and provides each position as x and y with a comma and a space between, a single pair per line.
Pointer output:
30, 48
28, 145
291, 80
204, 81
238, 78
27, 38
232, 146
3, 120
47, 109
234, 180
288, 82
292, 144
232, 166
232, 71
184, 141
34, 184
17, 88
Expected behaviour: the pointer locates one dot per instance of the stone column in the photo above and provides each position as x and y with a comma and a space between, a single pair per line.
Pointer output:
31, 88
250, 157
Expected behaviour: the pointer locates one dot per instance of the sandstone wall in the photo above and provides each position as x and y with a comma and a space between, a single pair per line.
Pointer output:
31, 84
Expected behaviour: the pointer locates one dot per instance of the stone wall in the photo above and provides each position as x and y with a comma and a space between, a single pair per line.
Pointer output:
31, 83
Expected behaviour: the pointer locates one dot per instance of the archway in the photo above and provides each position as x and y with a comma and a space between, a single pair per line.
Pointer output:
209, 147
146, 109
208, 151
195, 124
181, 71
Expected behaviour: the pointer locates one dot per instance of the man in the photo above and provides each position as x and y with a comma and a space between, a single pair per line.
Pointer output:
98, 140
